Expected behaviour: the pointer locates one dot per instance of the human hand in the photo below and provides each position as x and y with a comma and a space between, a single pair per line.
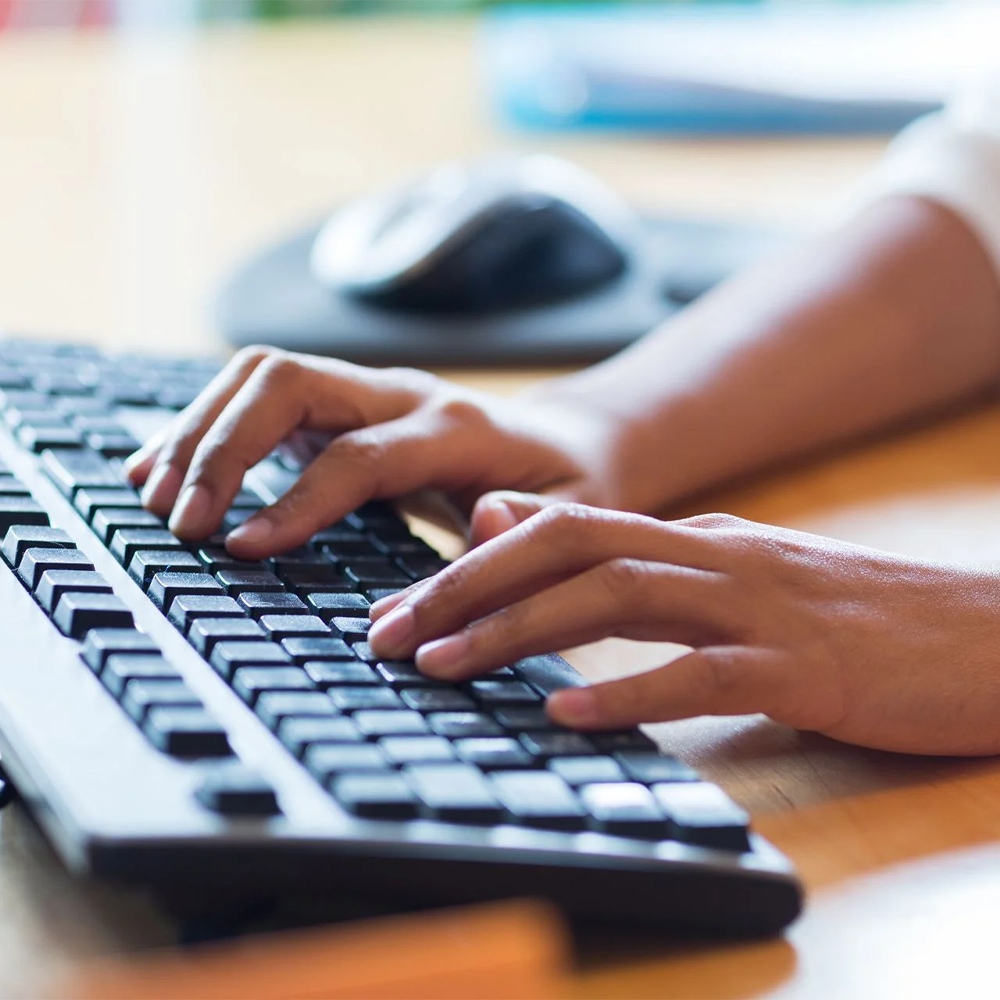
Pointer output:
866, 647
391, 432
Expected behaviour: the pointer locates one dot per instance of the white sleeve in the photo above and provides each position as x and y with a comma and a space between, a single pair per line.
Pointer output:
951, 157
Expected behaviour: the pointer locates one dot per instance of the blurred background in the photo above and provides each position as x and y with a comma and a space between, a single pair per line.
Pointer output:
149, 147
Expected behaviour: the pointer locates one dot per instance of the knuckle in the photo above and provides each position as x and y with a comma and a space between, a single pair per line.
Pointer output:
721, 675
713, 520
277, 370
360, 451
624, 579
248, 358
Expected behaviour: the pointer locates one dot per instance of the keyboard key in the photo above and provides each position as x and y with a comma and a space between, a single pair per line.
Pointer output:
91, 423
352, 628
12, 487
364, 652
375, 796
165, 586
280, 627
524, 719
56, 582
301, 558
228, 656
703, 814
586, 770
127, 541
490, 693
107, 520
416, 749
428, 699
259, 603
187, 608
217, 559
204, 633
140, 696
20, 510
42, 439
21, 537
120, 669
250, 682
273, 706
308, 648
237, 581
186, 732
628, 739
73, 468
111, 444
328, 674
493, 752
375, 571
557, 744
246, 499
389, 722
237, 791
89, 501
538, 798
625, 808
34, 562
77, 614
104, 642
317, 580
351, 699
421, 567
456, 725
404, 673
324, 760
377, 593
300, 732
648, 768
454, 792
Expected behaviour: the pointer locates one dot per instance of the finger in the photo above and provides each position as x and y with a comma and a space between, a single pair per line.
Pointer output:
622, 597
553, 545
501, 510
389, 459
280, 396
721, 680
161, 463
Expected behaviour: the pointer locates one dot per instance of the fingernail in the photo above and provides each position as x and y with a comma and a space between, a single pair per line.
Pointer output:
162, 486
573, 706
385, 605
255, 530
191, 510
392, 633
444, 655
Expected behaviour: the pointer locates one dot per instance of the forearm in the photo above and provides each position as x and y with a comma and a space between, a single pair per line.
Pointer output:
896, 314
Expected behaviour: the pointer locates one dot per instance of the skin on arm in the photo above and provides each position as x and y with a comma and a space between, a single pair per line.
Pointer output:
894, 315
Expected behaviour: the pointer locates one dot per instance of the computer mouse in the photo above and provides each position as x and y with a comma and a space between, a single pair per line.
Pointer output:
501, 233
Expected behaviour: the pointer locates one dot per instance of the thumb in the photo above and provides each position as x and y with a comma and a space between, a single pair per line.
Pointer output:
501, 510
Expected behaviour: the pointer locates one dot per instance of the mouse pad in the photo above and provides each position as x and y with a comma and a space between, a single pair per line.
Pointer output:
274, 299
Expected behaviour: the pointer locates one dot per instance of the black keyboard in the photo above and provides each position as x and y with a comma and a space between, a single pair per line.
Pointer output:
178, 718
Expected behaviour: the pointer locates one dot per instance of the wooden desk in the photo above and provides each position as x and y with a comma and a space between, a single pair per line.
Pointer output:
135, 172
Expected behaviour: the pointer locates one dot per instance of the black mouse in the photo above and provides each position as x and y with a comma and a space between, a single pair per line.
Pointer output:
497, 234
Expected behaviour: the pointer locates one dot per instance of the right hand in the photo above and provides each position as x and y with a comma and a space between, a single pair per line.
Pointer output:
391, 432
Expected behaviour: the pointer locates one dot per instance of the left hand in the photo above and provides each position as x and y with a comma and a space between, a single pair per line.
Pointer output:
861, 645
